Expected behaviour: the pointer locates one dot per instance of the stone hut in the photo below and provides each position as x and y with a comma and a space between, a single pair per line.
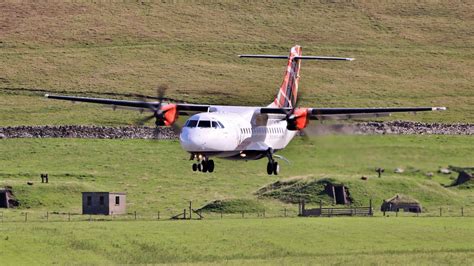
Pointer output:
339, 193
106, 203
401, 202
463, 177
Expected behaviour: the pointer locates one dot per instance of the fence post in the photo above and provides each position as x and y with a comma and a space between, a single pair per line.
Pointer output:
184, 212
370, 206
158, 215
190, 209
462, 211
26, 217
285, 212
135, 214
221, 214
440, 211
69, 216
47, 216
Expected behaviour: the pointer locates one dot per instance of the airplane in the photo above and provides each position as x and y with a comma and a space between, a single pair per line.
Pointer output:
245, 132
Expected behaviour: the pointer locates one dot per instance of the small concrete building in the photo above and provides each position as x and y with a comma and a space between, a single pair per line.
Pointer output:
401, 202
106, 203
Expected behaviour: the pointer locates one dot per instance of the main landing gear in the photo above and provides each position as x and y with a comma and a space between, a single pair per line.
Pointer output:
203, 164
272, 166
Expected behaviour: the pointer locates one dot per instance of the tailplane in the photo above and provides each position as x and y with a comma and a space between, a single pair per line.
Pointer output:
288, 92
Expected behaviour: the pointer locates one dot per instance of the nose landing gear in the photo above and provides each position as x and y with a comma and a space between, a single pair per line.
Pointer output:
203, 164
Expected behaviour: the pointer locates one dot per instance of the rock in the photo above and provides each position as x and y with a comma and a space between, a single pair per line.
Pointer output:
445, 171
398, 170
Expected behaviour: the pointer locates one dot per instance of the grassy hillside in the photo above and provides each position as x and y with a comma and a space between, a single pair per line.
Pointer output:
243, 241
407, 54
157, 174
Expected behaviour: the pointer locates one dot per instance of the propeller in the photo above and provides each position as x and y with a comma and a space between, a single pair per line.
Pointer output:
291, 117
158, 112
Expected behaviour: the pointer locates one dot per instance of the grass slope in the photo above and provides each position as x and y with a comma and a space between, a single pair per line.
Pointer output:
243, 241
157, 174
407, 54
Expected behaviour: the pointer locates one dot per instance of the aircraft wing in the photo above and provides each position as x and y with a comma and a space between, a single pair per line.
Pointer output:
350, 113
138, 105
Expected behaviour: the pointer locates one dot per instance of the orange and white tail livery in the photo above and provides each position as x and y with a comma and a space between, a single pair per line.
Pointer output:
289, 88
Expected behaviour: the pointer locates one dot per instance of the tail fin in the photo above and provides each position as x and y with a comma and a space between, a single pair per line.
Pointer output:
288, 92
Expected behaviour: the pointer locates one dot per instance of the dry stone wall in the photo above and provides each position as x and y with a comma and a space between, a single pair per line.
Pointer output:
130, 132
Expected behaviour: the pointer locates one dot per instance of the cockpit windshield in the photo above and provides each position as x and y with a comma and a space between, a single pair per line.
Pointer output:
191, 123
204, 124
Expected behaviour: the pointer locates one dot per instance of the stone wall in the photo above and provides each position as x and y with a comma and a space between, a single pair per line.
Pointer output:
130, 132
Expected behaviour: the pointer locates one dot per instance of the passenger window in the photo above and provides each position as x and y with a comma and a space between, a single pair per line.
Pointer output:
191, 123
214, 124
220, 124
204, 123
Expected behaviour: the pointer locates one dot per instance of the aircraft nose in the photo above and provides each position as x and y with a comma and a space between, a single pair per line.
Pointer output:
192, 141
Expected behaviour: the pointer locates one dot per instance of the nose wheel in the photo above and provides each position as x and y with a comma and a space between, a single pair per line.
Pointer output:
204, 165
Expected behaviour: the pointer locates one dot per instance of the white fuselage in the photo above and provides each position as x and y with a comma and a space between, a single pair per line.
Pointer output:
235, 133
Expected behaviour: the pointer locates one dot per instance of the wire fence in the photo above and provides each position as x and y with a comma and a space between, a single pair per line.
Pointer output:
46, 216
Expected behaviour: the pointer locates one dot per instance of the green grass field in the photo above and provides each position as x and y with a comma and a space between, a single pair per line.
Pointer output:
157, 174
406, 54
243, 241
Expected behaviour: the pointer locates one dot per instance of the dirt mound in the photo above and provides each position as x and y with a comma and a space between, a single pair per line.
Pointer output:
296, 189
233, 206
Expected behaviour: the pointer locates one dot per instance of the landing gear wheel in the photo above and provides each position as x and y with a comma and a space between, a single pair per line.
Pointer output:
210, 166
199, 167
195, 167
204, 166
276, 168
270, 168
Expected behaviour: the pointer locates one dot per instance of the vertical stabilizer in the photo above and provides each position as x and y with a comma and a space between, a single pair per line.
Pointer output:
288, 92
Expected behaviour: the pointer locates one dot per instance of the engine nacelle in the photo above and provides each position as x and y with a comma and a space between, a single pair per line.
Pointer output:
169, 114
298, 120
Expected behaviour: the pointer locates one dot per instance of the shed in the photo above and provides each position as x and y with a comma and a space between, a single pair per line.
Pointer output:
339, 193
401, 202
463, 177
106, 203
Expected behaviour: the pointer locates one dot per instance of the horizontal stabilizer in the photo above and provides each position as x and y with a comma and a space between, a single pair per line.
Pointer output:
325, 58
267, 56
263, 56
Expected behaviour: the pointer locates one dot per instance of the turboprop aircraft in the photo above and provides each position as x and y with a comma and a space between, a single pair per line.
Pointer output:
243, 132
